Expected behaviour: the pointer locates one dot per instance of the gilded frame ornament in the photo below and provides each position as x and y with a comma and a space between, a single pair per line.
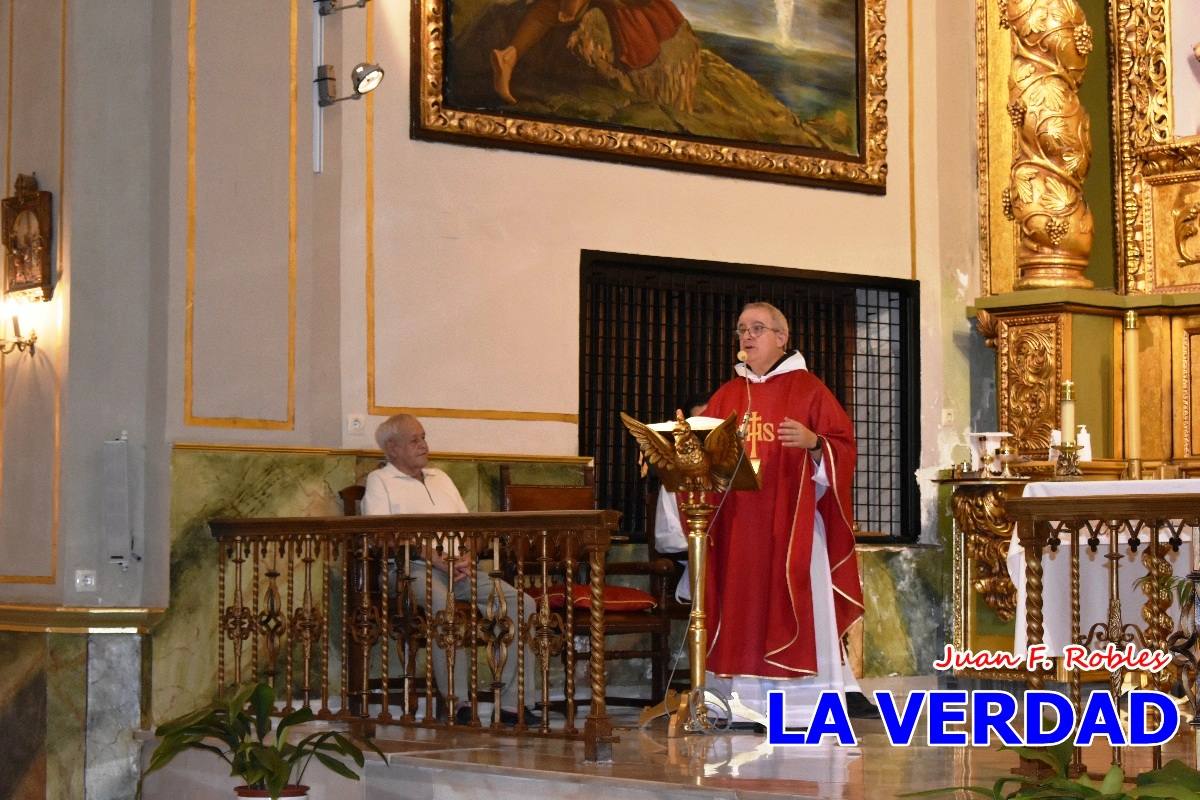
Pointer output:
434, 118
1157, 173
28, 238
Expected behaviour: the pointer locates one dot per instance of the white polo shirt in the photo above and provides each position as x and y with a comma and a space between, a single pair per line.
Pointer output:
390, 491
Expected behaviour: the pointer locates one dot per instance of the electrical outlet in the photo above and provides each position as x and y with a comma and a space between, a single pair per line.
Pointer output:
356, 424
85, 580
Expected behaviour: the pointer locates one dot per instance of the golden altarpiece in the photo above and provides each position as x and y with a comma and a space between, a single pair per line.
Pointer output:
1055, 296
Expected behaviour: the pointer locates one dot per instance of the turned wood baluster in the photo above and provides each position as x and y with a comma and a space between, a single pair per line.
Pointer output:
330, 553
385, 713
474, 547
569, 632
1033, 620
428, 627
598, 728
289, 556
254, 570
222, 565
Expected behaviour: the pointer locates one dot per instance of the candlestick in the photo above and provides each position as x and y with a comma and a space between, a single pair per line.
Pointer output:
1133, 410
1067, 411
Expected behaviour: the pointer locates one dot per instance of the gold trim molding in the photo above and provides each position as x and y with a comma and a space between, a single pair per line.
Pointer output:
56, 474
77, 619
189, 418
435, 455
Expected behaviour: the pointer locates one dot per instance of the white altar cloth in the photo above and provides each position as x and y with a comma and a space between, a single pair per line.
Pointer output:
1093, 567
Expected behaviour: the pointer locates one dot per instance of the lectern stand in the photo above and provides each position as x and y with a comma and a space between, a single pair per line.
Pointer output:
697, 471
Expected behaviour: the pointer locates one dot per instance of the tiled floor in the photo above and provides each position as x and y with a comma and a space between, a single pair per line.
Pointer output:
648, 764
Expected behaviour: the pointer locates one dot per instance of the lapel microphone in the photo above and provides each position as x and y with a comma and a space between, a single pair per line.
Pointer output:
743, 356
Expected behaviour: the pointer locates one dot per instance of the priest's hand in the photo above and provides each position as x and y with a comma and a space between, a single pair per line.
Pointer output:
795, 434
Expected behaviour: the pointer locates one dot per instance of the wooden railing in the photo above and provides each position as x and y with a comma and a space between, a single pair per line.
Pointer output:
1116, 527
328, 608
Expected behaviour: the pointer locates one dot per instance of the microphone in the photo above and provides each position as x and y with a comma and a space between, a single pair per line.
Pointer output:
743, 357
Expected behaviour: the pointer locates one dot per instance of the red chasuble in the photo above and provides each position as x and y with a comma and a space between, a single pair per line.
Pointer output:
759, 604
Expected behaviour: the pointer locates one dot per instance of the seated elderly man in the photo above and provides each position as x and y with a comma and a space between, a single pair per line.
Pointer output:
408, 485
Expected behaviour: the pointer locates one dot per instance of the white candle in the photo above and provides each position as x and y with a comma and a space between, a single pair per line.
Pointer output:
1133, 410
495, 554
1068, 412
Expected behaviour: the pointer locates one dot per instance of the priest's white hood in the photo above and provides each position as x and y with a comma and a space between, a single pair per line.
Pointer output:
790, 364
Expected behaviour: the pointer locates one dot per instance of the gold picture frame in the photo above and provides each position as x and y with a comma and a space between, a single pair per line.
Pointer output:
458, 97
28, 237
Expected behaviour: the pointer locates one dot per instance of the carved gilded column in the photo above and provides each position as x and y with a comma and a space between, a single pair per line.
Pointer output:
1051, 40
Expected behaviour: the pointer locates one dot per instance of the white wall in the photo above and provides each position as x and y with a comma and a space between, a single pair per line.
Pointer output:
476, 251
475, 255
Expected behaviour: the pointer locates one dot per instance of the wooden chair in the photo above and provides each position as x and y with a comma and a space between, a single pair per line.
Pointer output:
352, 497
653, 622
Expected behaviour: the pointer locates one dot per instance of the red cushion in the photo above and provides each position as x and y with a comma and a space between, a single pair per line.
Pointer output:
616, 598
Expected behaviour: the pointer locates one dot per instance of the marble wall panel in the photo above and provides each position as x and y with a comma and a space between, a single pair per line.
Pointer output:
23, 660
904, 587
218, 483
904, 591
114, 711
66, 706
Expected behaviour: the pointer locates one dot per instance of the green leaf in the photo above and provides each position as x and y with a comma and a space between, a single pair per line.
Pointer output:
337, 766
1174, 773
349, 748
1165, 790
262, 700
1113, 780
297, 717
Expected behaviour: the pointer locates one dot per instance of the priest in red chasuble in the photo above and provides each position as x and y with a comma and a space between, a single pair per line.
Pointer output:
783, 583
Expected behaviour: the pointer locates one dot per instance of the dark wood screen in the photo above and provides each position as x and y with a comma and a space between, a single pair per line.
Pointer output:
654, 332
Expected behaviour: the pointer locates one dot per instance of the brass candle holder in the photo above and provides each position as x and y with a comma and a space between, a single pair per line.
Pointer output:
1067, 465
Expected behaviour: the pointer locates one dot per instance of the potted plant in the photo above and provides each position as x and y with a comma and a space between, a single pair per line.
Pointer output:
238, 727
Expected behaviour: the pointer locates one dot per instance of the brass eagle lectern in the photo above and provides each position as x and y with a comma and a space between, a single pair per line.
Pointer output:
697, 469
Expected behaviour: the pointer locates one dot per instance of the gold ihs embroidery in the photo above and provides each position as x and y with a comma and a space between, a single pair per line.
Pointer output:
758, 431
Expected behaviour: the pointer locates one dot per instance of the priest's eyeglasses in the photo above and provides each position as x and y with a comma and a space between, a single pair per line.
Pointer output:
754, 331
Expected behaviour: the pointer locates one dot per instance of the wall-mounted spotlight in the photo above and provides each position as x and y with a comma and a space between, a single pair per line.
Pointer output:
17, 343
364, 78
327, 7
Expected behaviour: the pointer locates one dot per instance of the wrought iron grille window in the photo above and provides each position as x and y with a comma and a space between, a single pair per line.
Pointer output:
654, 332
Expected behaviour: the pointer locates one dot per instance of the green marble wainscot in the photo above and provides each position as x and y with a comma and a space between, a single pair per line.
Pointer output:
23, 708
905, 592
67, 711
222, 482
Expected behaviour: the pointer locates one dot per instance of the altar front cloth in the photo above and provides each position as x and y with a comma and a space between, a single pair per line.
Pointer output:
1093, 567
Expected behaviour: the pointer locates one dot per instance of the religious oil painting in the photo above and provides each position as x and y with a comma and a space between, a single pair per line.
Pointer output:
783, 90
